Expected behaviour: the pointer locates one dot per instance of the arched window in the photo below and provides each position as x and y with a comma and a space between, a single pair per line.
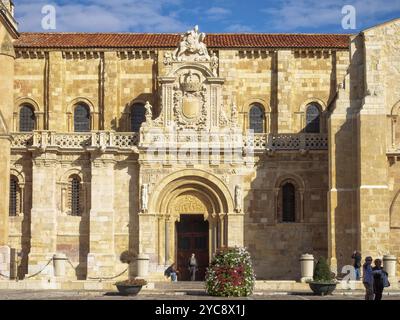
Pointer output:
138, 116
81, 118
74, 193
27, 119
313, 116
14, 209
288, 202
257, 118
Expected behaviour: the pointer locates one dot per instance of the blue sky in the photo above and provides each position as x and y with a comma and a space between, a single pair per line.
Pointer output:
218, 16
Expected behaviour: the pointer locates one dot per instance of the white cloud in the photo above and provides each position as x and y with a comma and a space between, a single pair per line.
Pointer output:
293, 14
237, 28
217, 13
104, 16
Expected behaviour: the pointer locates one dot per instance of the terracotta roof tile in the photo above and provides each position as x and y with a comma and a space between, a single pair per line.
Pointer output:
136, 40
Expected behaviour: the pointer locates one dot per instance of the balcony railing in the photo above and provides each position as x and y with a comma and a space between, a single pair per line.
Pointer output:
127, 141
274, 142
74, 141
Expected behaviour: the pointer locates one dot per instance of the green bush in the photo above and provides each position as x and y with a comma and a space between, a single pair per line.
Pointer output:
230, 274
322, 272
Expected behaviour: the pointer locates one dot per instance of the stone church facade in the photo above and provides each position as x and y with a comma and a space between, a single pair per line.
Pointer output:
164, 144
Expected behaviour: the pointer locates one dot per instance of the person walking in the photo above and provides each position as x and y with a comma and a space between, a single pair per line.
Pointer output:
193, 267
357, 264
368, 279
380, 279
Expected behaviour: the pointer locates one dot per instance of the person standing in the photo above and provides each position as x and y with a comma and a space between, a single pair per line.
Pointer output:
357, 264
193, 267
368, 279
380, 279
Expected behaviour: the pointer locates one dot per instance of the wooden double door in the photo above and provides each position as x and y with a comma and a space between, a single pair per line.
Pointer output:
192, 237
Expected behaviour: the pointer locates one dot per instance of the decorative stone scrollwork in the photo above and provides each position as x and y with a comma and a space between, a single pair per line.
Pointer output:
223, 120
168, 59
189, 204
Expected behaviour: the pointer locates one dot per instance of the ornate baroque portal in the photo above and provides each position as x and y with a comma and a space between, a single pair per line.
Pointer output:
190, 106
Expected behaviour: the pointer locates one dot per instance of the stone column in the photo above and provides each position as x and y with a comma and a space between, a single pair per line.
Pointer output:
44, 211
102, 259
222, 230
161, 240
235, 229
167, 240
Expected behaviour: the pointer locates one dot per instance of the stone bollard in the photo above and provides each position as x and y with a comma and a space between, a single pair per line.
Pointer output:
59, 261
389, 265
307, 267
142, 262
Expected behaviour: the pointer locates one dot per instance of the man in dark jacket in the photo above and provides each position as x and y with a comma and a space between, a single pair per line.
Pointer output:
357, 264
380, 279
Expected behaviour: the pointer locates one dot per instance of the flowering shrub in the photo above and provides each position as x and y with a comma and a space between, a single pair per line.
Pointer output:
230, 274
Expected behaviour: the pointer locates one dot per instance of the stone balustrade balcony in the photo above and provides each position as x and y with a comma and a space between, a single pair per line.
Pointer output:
129, 141
287, 141
74, 141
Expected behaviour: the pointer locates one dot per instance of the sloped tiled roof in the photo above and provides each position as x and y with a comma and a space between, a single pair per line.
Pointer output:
136, 40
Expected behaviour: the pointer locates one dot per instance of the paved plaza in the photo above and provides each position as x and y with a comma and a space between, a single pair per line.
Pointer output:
177, 296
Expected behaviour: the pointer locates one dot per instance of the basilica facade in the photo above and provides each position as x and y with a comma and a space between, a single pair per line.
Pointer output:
163, 145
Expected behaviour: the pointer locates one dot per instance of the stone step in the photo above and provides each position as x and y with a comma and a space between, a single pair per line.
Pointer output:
180, 285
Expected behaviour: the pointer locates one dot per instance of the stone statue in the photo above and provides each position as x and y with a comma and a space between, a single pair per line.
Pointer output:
144, 197
238, 198
234, 114
149, 112
192, 46
214, 62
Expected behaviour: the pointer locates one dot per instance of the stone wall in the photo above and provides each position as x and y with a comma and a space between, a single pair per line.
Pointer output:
346, 197
276, 246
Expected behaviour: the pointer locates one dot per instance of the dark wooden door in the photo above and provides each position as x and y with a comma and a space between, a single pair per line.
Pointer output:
192, 237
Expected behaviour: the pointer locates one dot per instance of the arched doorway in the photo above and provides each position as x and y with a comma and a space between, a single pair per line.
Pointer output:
192, 236
193, 210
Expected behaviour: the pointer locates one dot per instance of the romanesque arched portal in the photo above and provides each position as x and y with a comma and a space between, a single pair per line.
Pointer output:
197, 196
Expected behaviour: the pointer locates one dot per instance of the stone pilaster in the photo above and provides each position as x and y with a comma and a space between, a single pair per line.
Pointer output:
102, 257
235, 229
7, 58
44, 211
4, 187
373, 176
148, 226
342, 194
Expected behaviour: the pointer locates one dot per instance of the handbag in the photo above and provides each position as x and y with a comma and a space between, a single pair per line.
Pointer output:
386, 282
